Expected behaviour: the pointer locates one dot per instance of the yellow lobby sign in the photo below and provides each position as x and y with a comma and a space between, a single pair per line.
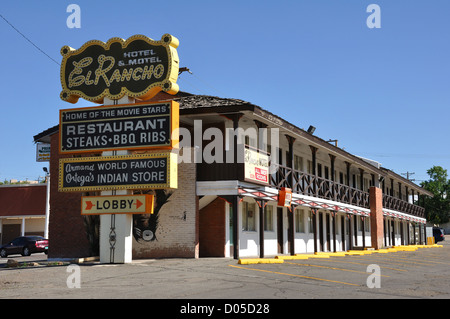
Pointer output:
119, 204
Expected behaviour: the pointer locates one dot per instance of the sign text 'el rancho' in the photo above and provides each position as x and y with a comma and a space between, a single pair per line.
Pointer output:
138, 67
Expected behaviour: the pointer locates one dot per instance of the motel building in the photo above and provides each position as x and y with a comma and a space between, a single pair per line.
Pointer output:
230, 200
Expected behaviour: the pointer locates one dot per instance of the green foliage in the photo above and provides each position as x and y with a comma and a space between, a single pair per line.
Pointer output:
438, 206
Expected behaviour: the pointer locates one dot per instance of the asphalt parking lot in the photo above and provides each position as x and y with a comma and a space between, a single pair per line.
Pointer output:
423, 273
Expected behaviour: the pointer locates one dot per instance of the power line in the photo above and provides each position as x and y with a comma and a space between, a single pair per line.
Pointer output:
32, 43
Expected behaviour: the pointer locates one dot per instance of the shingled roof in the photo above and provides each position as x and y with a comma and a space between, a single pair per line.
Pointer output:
202, 101
197, 104
187, 101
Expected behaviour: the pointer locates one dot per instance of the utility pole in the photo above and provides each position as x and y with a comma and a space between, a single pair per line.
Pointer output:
409, 174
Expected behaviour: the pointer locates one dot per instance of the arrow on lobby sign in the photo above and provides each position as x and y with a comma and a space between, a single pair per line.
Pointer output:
89, 205
138, 203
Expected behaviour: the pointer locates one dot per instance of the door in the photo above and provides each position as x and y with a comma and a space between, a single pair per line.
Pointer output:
343, 232
280, 230
393, 233
328, 229
321, 241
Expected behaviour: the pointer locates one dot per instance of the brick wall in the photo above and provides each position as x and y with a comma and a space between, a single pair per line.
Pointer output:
176, 234
177, 231
212, 229
67, 235
376, 217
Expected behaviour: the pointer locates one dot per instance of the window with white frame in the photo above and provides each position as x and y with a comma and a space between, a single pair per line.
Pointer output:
299, 219
298, 163
346, 226
251, 141
310, 222
248, 216
367, 225
309, 168
268, 218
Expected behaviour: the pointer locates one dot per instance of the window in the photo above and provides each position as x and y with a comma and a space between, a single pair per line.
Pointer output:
367, 225
249, 141
310, 167
319, 169
248, 216
299, 221
298, 163
366, 185
268, 218
310, 222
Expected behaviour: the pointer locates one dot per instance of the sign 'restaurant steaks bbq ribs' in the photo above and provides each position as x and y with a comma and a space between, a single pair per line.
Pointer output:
122, 127
138, 67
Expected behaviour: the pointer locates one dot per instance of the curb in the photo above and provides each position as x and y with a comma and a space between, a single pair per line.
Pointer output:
281, 258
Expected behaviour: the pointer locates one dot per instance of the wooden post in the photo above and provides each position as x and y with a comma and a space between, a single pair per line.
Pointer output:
350, 233
333, 214
235, 206
363, 225
290, 212
262, 207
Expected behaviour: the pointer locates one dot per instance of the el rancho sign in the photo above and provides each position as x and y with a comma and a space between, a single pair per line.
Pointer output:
138, 67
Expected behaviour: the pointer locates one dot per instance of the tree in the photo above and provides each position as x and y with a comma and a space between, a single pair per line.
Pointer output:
438, 206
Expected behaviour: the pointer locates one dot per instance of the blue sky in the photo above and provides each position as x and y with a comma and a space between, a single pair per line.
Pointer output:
383, 93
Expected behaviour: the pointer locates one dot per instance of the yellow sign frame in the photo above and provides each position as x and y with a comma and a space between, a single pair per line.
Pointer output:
144, 204
171, 172
174, 127
167, 84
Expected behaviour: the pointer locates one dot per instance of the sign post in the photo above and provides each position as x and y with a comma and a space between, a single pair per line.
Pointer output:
116, 73
115, 242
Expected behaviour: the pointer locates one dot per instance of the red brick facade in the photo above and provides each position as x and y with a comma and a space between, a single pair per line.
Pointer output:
67, 234
376, 217
176, 234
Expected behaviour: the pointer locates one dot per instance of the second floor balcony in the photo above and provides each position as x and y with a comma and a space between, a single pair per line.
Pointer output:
301, 182
315, 186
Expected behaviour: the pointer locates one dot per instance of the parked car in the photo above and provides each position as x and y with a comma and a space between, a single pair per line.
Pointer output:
24, 245
438, 234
